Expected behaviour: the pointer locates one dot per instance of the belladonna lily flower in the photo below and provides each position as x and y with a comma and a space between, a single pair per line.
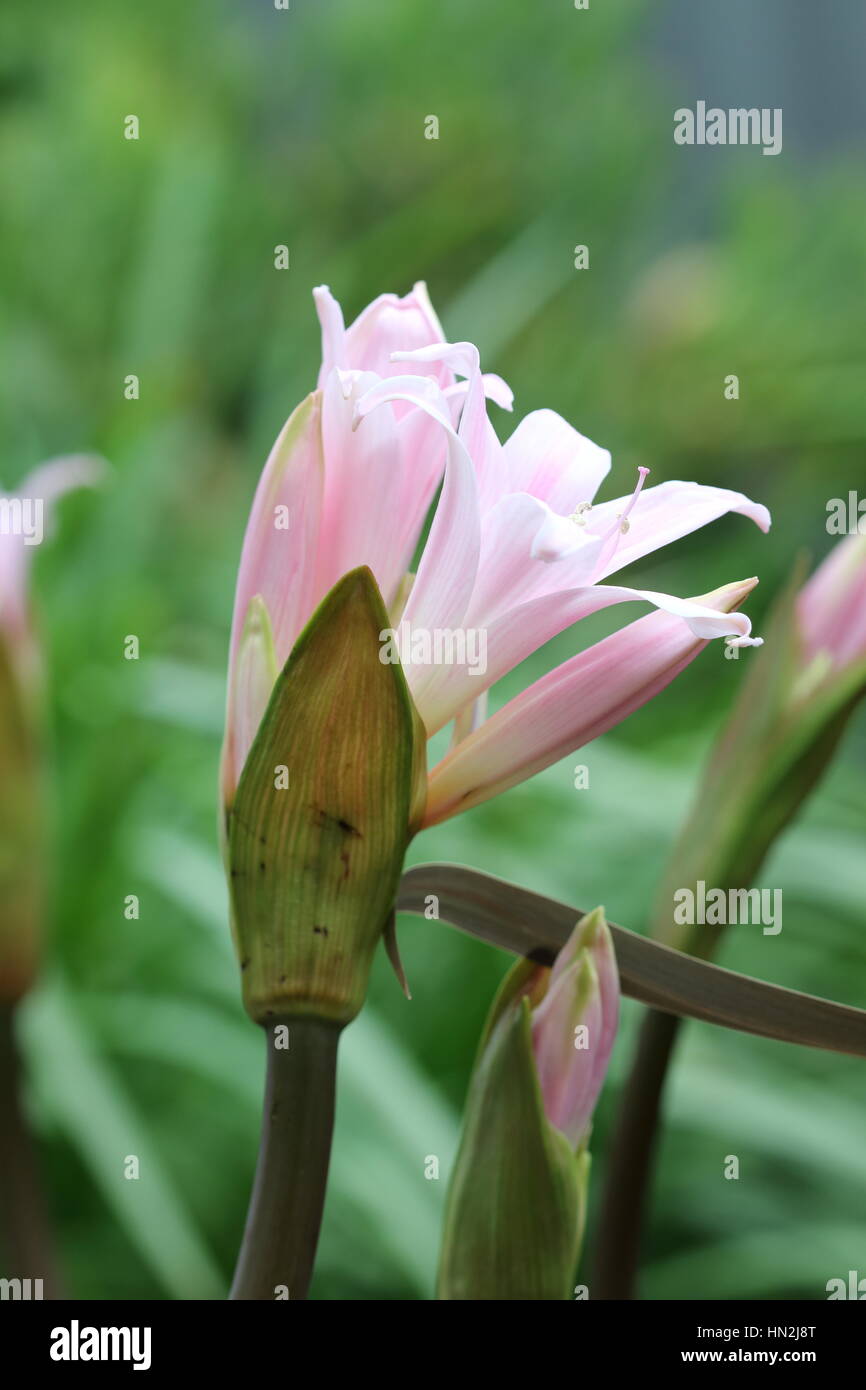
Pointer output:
831, 613
329, 707
516, 1201
24, 519
518, 550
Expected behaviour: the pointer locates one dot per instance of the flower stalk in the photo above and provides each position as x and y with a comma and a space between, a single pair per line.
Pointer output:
282, 1232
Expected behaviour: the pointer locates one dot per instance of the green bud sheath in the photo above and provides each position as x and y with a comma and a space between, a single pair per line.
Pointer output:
326, 805
329, 797
22, 837
515, 1211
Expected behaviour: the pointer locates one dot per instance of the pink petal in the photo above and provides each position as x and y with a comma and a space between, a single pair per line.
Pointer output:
523, 629
363, 480
251, 681
522, 563
52, 480
663, 514
388, 325
570, 706
280, 564
470, 718
832, 604
546, 457
495, 389
512, 531
422, 449
422, 462
333, 332
567, 1076
446, 572
583, 989
46, 484
475, 430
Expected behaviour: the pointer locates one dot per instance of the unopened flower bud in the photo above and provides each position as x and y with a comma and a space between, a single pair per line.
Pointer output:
516, 1203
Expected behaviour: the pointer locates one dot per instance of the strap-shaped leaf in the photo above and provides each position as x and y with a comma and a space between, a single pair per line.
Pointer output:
534, 926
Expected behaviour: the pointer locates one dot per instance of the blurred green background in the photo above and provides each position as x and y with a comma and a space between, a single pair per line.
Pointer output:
155, 257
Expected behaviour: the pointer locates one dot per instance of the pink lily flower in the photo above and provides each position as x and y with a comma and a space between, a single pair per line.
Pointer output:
574, 1026
319, 507
517, 551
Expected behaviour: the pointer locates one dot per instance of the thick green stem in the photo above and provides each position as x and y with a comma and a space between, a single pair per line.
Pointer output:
285, 1213
628, 1169
27, 1243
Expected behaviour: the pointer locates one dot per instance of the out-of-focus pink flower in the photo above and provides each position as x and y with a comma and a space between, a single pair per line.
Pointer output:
516, 552
25, 518
779, 738
831, 608
574, 1026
